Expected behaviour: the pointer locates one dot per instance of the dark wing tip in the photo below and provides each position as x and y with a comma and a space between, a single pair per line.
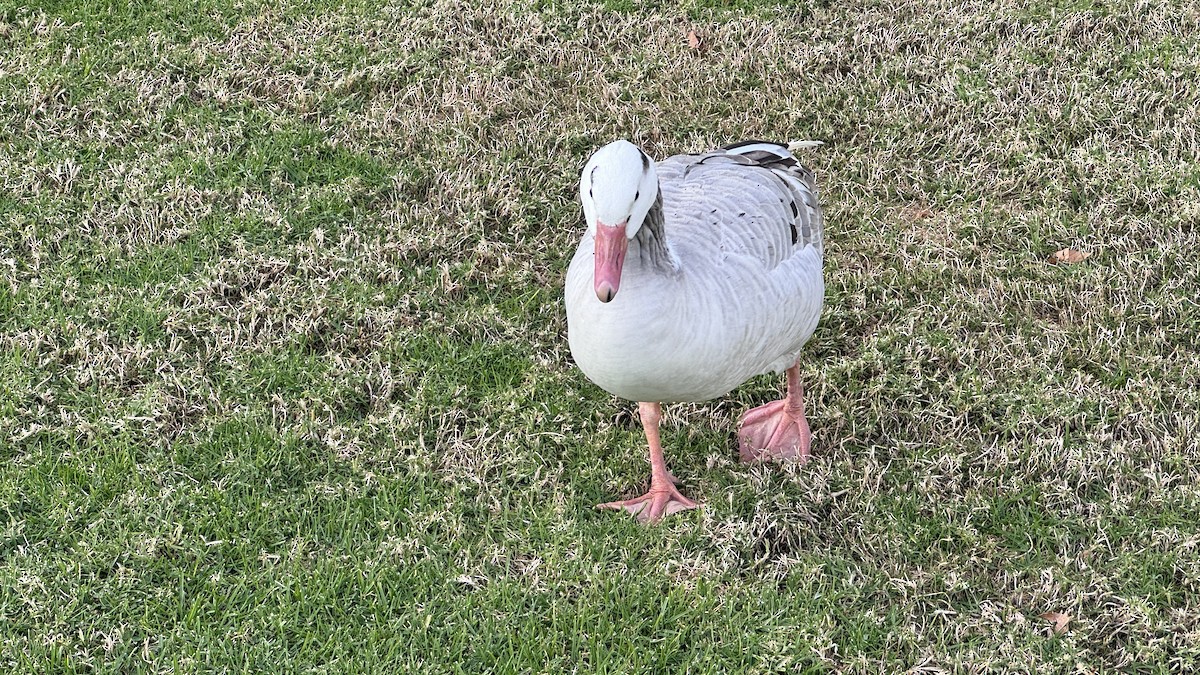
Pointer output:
742, 144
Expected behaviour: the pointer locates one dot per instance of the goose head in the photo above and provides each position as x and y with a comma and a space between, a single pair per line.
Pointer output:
618, 186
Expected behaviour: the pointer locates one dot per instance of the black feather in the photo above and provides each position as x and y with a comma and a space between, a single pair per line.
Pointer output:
739, 144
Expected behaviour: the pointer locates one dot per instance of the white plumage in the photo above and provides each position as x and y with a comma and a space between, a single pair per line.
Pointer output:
696, 274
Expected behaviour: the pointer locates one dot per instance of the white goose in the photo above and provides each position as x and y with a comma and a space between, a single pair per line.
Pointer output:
696, 274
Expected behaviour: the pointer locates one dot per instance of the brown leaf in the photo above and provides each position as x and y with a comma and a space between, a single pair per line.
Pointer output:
1059, 621
1068, 256
693, 39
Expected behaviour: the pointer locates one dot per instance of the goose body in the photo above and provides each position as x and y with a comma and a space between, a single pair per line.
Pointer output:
737, 293
697, 273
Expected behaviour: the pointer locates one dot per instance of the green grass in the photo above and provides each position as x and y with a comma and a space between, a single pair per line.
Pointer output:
284, 383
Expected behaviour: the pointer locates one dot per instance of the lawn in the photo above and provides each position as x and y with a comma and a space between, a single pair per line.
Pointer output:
284, 382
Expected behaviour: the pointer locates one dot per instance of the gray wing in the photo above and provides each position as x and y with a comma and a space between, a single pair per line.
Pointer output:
757, 198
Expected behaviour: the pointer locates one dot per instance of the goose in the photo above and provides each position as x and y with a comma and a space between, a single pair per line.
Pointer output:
695, 274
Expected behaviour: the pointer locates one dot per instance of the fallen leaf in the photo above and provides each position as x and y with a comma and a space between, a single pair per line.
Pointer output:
1068, 256
693, 39
1060, 621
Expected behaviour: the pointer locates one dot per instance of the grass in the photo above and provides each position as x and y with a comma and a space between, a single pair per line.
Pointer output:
284, 383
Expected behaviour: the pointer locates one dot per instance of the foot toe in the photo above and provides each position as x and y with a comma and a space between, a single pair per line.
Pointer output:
652, 506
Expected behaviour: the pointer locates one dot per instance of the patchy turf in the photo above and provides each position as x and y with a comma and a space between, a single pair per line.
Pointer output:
284, 382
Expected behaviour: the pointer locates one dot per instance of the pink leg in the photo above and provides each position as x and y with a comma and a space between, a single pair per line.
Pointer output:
662, 499
777, 430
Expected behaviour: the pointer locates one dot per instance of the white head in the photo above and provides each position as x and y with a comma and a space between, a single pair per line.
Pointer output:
618, 186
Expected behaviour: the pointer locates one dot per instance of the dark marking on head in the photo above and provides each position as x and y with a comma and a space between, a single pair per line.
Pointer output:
645, 161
